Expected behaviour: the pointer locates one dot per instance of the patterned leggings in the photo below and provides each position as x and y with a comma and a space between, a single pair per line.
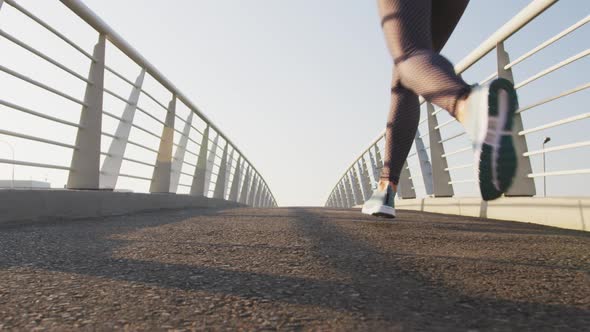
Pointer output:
415, 32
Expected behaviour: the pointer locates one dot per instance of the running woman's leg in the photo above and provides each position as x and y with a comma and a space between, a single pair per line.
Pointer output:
445, 16
402, 123
486, 112
407, 26
404, 113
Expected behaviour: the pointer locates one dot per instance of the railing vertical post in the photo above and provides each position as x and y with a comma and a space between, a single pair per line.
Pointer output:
374, 167
261, 194
253, 189
344, 194
221, 177
242, 177
258, 193
341, 200
262, 198
351, 199
358, 193
522, 185
85, 166
365, 178
180, 153
111, 166
425, 165
245, 186
349, 192
228, 167
210, 162
256, 202
379, 162
340, 196
198, 185
271, 200
332, 198
235, 184
163, 169
265, 196
406, 185
440, 177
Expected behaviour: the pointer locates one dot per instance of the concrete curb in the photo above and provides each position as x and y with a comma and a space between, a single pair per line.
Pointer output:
566, 212
33, 205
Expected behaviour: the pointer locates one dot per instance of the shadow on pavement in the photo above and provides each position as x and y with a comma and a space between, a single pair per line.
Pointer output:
383, 284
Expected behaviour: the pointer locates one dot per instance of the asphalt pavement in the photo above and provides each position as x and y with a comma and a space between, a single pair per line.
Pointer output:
292, 269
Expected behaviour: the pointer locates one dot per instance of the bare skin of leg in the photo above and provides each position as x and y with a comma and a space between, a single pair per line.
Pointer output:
460, 112
384, 183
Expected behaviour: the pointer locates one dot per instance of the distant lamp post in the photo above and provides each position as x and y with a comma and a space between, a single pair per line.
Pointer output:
12, 150
545, 141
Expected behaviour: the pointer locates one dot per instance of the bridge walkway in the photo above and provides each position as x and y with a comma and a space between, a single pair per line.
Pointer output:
292, 269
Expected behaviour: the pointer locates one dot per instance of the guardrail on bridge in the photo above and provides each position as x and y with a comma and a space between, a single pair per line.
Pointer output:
150, 137
438, 167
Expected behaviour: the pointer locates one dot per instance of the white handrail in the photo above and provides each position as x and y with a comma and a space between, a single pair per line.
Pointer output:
550, 41
534, 9
85, 13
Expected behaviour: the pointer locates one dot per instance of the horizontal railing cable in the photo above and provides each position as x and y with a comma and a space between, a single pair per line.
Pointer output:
556, 123
37, 139
550, 99
38, 114
142, 146
43, 56
548, 42
553, 68
568, 172
41, 85
135, 177
31, 164
123, 78
49, 28
457, 152
558, 148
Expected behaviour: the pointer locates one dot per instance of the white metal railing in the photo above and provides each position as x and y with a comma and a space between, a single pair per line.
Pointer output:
221, 170
436, 167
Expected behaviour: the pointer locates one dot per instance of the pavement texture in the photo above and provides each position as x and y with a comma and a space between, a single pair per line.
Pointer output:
292, 269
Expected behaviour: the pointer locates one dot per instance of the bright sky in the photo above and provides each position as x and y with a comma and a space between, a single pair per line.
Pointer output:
300, 86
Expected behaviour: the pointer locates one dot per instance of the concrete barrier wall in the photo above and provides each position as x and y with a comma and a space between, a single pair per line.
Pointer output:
571, 213
19, 205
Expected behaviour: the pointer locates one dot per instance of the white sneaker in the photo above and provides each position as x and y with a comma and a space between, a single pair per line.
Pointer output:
381, 203
488, 120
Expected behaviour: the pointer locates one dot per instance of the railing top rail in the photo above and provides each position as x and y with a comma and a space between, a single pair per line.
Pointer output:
85, 13
527, 14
